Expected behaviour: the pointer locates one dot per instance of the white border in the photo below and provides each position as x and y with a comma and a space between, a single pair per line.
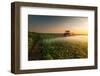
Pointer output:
25, 64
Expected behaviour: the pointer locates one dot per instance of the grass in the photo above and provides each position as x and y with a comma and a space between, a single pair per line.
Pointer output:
56, 49
64, 50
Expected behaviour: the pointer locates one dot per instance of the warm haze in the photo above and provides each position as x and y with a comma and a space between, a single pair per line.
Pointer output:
57, 24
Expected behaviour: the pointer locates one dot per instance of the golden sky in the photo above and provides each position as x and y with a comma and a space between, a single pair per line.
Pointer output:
57, 24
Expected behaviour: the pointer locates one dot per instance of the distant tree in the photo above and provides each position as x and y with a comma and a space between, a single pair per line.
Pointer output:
67, 33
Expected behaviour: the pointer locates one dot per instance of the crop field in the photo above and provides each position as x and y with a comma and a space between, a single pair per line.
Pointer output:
47, 46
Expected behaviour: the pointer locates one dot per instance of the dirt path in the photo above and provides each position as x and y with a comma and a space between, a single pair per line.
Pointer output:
35, 52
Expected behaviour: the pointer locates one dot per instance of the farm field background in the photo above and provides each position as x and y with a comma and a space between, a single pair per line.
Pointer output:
50, 46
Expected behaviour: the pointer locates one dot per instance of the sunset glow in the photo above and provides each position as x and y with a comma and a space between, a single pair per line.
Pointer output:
57, 24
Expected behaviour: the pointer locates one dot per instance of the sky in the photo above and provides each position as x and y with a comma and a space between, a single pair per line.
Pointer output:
57, 24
